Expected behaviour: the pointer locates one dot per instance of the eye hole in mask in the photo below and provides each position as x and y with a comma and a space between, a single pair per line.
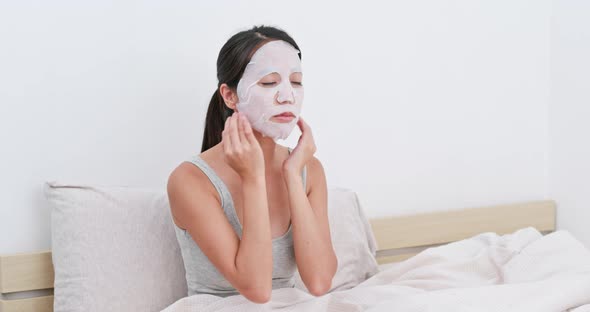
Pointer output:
273, 79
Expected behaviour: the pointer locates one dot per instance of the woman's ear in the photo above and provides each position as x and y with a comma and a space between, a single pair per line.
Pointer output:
229, 97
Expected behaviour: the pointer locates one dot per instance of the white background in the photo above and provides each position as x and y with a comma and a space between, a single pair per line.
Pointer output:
416, 105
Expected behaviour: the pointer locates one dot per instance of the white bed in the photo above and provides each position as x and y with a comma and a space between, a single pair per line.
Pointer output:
492, 258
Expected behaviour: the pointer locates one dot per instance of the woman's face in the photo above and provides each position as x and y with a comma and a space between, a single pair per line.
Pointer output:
272, 85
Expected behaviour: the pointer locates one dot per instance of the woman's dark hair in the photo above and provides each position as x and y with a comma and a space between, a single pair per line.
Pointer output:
231, 63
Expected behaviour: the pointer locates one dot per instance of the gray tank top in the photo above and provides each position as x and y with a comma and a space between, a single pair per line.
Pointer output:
202, 276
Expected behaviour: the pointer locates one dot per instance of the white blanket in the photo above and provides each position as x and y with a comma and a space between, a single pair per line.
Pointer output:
522, 271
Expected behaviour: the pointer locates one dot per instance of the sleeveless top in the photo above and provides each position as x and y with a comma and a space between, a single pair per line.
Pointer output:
202, 276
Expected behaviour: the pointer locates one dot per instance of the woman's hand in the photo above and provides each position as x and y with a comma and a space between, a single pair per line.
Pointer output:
241, 149
303, 152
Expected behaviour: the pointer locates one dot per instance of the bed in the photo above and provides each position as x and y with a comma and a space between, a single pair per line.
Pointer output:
27, 279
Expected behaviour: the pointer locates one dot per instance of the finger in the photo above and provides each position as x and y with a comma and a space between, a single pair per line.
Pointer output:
233, 133
225, 137
302, 124
248, 132
307, 135
241, 129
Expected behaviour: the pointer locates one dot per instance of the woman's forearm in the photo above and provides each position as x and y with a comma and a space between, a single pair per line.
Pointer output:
254, 257
316, 260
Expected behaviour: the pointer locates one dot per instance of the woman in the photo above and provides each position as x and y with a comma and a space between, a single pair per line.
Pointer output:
248, 211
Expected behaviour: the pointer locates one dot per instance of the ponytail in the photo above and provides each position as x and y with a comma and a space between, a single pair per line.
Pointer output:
217, 113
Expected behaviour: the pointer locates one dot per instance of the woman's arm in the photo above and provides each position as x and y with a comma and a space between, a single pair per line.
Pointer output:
245, 263
243, 153
314, 253
254, 254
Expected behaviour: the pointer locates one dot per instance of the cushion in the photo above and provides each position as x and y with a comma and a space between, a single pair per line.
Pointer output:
113, 249
352, 238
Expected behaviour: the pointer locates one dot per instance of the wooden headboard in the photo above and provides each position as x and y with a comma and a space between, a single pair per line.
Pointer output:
401, 237
398, 238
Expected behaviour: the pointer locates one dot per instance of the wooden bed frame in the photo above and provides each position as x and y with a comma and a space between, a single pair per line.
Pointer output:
398, 238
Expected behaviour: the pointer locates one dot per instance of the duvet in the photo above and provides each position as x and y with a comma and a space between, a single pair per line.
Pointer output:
521, 271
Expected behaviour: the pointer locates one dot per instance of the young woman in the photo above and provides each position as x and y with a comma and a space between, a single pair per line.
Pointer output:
248, 211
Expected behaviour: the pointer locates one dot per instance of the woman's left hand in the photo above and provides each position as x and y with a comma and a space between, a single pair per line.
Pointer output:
302, 153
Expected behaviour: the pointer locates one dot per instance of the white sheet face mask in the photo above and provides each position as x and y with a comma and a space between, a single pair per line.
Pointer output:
260, 103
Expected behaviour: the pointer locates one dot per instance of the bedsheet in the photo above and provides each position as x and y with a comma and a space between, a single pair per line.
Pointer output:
521, 271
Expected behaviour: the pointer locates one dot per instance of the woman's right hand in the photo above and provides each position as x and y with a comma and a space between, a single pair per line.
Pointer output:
241, 148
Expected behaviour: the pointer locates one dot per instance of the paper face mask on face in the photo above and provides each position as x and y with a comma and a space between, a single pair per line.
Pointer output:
261, 103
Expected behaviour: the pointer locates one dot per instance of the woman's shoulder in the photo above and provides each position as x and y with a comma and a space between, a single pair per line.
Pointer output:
315, 173
186, 186
190, 177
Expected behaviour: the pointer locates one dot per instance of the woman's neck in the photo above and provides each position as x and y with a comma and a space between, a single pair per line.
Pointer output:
270, 149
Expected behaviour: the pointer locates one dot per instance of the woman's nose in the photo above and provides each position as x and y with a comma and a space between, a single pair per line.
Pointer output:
286, 93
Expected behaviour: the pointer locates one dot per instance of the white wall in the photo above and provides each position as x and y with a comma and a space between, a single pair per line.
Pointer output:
569, 116
416, 105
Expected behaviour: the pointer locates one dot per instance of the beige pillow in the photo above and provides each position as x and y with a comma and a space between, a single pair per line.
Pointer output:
113, 249
352, 238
